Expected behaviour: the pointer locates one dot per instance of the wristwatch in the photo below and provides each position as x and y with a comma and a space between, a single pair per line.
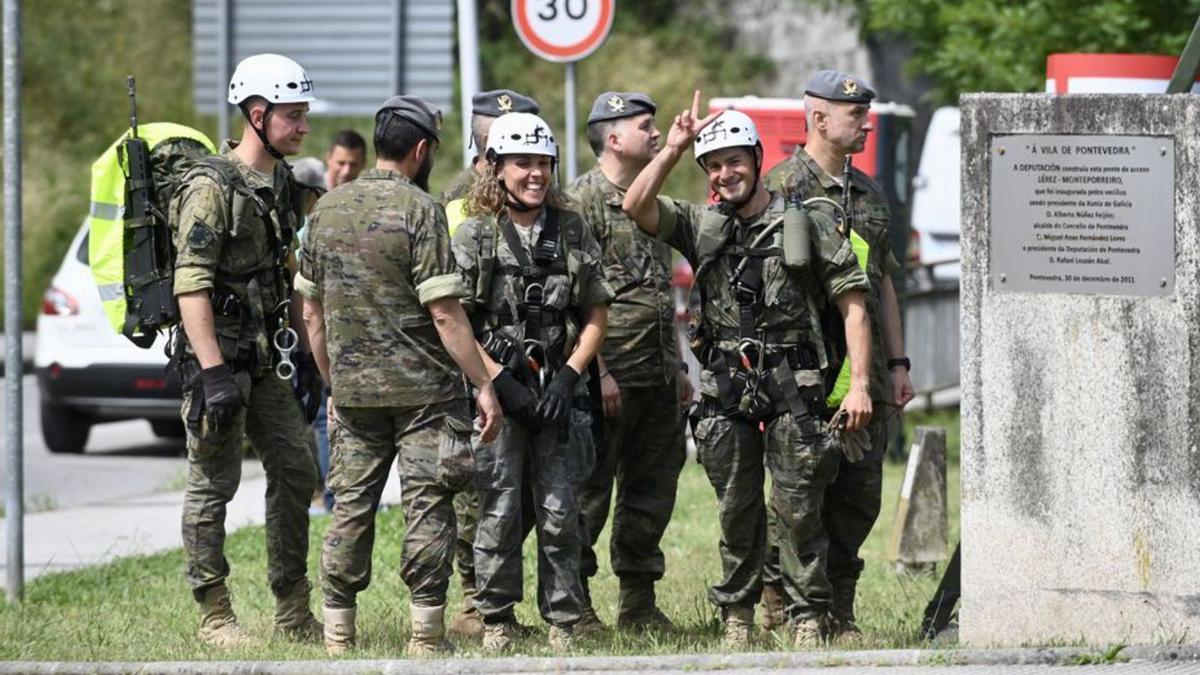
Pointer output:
902, 361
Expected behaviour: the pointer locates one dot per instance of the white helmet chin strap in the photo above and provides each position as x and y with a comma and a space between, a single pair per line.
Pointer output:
262, 133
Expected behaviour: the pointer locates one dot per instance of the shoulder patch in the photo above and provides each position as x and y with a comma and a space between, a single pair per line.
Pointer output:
200, 236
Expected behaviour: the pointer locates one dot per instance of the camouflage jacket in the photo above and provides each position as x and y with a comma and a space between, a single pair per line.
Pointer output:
223, 244
376, 252
461, 185
793, 300
800, 176
496, 288
641, 348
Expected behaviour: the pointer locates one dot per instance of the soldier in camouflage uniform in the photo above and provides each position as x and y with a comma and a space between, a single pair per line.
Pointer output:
486, 106
768, 270
639, 370
381, 302
838, 108
539, 307
234, 218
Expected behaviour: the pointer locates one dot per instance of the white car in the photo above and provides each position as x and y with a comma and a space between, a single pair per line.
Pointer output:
87, 372
936, 221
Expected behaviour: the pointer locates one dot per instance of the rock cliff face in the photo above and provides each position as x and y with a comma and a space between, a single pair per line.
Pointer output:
799, 38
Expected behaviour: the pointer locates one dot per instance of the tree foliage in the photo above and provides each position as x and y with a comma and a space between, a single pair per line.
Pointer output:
985, 45
75, 105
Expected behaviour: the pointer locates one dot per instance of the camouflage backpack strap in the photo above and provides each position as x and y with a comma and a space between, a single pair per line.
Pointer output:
485, 257
223, 173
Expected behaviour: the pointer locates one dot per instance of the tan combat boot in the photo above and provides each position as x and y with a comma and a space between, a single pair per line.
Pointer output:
293, 618
339, 630
739, 621
773, 608
219, 626
468, 623
808, 634
499, 636
428, 632
637, 609
560, 638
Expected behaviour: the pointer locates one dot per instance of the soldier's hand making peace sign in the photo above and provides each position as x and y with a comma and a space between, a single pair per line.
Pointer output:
687, 125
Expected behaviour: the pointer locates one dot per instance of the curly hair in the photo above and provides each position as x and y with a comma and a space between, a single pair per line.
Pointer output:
487, 196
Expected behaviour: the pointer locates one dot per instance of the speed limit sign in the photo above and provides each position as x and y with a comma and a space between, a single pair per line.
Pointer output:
563, 30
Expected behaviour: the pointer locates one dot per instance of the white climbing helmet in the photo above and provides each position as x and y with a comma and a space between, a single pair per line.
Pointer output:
276, 78
731, 129
520, 134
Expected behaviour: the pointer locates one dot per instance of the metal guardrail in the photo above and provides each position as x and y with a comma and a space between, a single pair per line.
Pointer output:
931, 336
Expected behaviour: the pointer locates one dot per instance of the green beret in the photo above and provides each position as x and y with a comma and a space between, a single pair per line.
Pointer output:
501, 101
615, 105
834, 85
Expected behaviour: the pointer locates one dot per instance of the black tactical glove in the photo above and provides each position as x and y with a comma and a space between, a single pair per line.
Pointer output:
222, 399
556, 398
516, 400
310, 388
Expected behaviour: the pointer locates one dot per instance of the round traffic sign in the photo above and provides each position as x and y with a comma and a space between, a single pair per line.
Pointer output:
563, 30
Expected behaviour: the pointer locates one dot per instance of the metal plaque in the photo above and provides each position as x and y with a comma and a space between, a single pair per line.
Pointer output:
1083, 214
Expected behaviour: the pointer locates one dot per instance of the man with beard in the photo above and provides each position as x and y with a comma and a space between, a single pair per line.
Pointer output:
381, 304
769, 270
640, 382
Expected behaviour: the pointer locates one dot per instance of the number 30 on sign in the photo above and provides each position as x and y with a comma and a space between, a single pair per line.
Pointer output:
563, 30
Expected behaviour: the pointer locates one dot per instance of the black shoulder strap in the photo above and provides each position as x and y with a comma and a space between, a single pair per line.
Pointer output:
509, 231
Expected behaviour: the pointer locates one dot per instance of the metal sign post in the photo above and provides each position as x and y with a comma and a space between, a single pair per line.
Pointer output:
14, 427
468, 69
569, 97
564, 31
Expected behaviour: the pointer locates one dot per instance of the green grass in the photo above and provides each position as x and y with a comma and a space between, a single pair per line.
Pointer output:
140, 609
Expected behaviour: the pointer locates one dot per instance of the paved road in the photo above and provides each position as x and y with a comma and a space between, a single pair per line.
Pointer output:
122, 460
122, 497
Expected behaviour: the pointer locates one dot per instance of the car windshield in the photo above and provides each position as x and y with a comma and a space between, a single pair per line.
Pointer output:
82, 254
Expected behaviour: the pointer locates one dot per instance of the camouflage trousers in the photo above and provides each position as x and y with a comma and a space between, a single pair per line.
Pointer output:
431, 447
802, 461
644, 451
553, 463
275, 426
852, 504
466, 513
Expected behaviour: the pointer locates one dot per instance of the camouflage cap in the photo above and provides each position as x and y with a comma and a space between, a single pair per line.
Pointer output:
502, 101
416, 110
615, 105
834, 85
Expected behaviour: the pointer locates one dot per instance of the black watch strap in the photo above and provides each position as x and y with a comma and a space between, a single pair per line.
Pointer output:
902, 361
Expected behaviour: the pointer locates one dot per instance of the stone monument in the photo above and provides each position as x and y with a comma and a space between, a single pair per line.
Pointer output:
1080, 369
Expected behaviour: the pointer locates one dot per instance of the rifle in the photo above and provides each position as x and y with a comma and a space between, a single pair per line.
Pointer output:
149, 293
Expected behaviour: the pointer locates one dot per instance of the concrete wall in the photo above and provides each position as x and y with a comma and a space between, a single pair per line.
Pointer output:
1081, 473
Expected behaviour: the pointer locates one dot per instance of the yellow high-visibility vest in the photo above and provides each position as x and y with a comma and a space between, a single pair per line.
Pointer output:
862, 251
456, 213
106, 214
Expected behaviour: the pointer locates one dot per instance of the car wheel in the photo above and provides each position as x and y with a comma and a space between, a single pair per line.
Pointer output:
168, 429
64, 430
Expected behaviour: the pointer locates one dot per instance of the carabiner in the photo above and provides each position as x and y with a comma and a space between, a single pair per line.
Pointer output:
285, 341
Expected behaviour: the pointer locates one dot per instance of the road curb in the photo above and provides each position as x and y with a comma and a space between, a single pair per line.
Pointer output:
701, 662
